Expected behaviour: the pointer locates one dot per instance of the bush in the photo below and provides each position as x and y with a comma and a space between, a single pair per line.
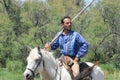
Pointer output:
14, 66
109, 67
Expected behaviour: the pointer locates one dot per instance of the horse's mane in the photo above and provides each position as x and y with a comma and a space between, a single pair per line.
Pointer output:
49, 62
48, 57
47, 53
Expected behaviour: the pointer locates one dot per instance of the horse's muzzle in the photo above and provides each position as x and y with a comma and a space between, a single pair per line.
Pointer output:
28, 76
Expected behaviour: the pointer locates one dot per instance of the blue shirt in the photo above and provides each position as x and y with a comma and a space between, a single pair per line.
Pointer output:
72, 44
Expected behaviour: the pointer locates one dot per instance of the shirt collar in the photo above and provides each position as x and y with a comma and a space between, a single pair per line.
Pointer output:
70, 32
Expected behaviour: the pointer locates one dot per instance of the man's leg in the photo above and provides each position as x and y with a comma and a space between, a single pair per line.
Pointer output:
75, 69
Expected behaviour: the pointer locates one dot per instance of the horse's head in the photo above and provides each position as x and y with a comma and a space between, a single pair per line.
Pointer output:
43, 62
34, 65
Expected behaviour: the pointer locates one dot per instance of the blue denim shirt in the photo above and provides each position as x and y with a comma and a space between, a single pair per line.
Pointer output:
72, 44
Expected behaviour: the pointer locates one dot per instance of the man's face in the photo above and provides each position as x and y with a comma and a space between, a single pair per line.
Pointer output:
67, 24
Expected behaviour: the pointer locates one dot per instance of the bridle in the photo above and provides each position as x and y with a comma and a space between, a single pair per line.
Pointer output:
35, 66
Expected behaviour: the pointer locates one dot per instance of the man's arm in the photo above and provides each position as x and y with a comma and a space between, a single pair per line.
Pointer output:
52, 46
83, 46
47, 47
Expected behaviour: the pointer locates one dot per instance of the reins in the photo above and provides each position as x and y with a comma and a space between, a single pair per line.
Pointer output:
58, 69
57, 73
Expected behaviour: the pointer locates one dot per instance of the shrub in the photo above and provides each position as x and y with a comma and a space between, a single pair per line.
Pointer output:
14, 66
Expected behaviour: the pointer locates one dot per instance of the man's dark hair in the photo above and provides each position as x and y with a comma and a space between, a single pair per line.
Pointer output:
62, 20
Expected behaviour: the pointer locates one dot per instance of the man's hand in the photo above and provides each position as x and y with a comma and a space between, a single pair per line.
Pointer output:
47, 47
76, 60
68, 60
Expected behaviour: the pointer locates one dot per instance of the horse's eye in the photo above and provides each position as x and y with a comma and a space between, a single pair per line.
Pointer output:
37, 60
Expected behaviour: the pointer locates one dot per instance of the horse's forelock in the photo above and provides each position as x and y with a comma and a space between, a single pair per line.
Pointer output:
34, 53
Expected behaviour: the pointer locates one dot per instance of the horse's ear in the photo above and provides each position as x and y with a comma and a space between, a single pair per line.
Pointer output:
39, 48
29, 49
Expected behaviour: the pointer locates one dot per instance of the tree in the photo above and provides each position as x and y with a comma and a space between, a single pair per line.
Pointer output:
105, 31
34, 23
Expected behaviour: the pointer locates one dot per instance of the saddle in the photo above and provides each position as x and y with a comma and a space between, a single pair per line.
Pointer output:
85, 72
84, 69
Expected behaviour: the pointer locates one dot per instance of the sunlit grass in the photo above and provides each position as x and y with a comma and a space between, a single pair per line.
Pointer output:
8, 75
18, 75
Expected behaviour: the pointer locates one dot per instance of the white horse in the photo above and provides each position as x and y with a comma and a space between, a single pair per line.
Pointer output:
43, 62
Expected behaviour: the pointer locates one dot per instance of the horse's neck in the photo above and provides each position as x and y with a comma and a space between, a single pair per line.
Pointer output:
49, 65
45, 75
51, 68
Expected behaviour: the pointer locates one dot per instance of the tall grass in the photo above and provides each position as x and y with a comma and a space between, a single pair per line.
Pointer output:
8, 75
110, 72
14, 71
5, 74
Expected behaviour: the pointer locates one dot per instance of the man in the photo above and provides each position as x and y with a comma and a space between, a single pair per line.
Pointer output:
71, 43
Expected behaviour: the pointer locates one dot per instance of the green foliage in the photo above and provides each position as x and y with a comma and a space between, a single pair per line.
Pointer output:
35, 23
14, 66
5, 75
109, 67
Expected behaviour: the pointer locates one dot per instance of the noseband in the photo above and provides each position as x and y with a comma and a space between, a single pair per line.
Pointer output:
35, 66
